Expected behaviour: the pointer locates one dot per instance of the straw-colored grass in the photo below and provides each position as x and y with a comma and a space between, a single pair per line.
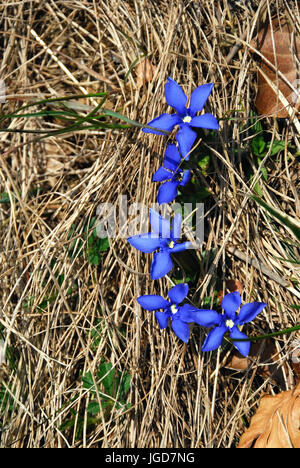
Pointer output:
179, 397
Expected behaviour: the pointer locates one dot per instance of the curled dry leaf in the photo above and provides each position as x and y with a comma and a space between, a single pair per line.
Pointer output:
3, 365
232, 286
144, 72
285, 58
276, 423
57, 161
295, 356
266, 356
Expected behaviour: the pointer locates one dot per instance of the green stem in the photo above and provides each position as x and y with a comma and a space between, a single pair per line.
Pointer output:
132, 122
269, 335
59, 99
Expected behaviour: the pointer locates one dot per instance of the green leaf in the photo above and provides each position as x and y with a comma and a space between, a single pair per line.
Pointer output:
56, 100
87, 380
257, 187
93, 407
4, 197
116, 385
103, 244
208, 303
263, 169
283, 218
108, 380
203, 163
134, 63
96, 246
276, 147
132, 122
93, 257
125, 384
258, 144
257, 127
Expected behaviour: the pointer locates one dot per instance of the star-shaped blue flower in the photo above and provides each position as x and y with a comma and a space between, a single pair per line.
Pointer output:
185, 117
170, 172
163, 239
180, 316
229, 322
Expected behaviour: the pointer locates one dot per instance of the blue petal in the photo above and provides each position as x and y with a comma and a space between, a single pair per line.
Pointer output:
205, 121
180, 247
242, 346
161, 265
249, 311
199, 97
185, 138
159, 224
185, 178
152, 302
164, 122
207, 317
146, 243
214, 338
163, 319
186, 313
230, 303
176, 227
178, 293
162, 174
172, 157
164, 244
175, 96
167, 192
181, 329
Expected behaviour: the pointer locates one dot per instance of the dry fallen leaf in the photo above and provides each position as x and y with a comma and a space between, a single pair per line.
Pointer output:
144, 72
3, 365
57, 161
268, 359
286, 60
276, 423
295, 356
231, 285
234, 285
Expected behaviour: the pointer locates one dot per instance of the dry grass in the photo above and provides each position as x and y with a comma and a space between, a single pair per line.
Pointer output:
179, 396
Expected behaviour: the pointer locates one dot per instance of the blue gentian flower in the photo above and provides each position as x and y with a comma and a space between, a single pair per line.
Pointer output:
163, 239
185, 117
180, 316
229, 321
170, 172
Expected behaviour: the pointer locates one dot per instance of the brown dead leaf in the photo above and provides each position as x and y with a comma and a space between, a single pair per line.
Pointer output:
286, 59
57, 161
276, 423
231, 285
266, 356
234, 285
144, 72
295, 357
238, 362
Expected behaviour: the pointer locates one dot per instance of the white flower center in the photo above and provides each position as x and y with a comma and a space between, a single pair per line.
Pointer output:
174, 309
187, 119
171, 244
229, 323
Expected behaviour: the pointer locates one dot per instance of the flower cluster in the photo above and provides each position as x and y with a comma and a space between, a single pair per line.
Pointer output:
185, 117
170, 172
163, 240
